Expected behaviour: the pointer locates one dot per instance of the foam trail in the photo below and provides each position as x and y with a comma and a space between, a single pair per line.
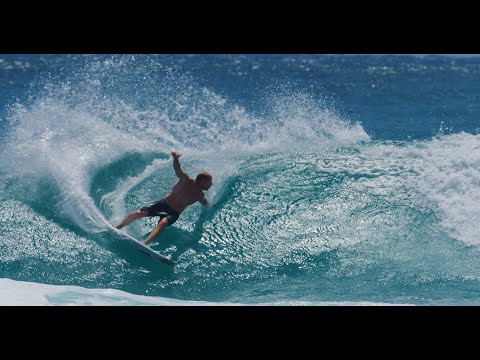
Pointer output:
66, 145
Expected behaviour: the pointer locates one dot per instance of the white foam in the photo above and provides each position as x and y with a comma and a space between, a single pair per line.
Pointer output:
442, 174
67, 145
21, 293
450, 179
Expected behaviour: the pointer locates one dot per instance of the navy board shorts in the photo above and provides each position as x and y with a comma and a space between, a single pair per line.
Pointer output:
162, 209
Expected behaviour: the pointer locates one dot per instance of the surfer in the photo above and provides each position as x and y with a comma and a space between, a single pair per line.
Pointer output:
184, 193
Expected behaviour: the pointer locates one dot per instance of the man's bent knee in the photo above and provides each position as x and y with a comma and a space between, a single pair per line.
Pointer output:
163, 222
138, 214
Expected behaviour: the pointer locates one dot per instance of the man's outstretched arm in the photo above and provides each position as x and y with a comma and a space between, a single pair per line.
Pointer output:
176, 166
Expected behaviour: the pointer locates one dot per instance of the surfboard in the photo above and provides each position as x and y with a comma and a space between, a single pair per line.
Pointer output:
143, 249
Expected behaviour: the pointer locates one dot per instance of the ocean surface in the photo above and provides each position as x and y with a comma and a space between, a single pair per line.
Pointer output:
337, 179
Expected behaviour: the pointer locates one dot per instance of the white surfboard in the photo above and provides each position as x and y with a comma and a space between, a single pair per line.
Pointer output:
143, 249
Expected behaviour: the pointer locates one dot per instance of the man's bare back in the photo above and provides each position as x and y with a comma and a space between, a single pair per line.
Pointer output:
185, 192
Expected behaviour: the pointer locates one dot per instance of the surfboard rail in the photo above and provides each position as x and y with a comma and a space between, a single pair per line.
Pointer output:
143, 249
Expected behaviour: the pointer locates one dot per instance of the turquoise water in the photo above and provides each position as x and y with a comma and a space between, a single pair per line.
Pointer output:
337, 179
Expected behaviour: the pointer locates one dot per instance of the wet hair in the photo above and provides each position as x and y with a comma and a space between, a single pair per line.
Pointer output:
203, 176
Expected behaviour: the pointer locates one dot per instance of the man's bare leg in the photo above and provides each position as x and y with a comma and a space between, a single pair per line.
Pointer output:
162, 224
131, 218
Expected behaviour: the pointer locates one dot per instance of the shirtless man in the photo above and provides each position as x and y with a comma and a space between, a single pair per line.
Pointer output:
185, 192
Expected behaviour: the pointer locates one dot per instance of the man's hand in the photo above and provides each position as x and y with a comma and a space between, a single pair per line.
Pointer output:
176, 166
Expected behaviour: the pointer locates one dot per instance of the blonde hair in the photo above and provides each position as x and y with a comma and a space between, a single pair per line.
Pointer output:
203, 176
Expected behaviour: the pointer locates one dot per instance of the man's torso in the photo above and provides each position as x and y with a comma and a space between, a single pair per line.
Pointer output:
183, 194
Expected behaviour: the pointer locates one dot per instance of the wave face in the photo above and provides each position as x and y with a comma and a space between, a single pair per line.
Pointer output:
308, 206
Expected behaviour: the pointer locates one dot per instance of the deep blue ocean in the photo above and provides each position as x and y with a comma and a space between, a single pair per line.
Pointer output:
338, 179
